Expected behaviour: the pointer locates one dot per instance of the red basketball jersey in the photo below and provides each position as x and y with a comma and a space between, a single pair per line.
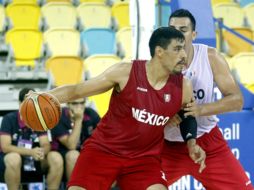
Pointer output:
134, 123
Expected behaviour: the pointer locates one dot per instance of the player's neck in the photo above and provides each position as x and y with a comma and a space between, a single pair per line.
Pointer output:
190, 54
155, 73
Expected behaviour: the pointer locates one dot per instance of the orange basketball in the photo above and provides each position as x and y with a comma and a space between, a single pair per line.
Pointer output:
40, 112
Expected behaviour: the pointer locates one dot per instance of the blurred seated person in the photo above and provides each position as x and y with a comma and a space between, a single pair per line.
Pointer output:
20, 153
75, 126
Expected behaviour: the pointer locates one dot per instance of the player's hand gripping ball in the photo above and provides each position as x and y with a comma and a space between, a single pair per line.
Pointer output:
40, 112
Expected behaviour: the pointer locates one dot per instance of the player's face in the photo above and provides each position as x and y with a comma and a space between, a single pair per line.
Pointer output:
183, 24
175, 57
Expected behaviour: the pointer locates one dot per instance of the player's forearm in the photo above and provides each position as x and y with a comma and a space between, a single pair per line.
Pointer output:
229, 103
20, 150
191, 143
188, 127
65, 93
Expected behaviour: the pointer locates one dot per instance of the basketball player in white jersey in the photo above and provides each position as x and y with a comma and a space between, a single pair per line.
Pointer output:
205, 68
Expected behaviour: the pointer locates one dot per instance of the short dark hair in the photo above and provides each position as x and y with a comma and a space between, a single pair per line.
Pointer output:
162, 37
23, 92
184, 13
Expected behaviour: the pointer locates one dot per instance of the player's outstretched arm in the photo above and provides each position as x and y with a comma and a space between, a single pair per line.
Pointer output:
116, 75
97, 85
232, 98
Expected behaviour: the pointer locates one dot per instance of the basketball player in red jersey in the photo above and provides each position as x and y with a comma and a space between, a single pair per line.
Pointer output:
127, 143
205, 66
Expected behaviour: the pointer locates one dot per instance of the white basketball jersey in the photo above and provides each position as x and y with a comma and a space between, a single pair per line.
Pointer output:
200, 73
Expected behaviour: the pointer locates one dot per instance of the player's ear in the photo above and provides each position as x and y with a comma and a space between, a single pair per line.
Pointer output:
158, 51
194, 35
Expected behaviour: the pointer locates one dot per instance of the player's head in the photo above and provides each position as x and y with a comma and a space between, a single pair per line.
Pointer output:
23, 92
185, 22
167, 45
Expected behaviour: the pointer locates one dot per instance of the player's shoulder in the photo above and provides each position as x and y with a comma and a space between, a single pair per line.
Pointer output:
213, 53
118, 72
210, 49
120, 69
215, 57
125, 64
121, 66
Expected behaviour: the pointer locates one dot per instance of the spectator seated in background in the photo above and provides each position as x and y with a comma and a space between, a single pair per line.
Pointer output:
75, 126
19, 152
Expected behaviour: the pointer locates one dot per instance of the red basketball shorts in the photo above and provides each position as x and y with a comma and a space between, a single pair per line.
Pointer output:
223, 171
97, 170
